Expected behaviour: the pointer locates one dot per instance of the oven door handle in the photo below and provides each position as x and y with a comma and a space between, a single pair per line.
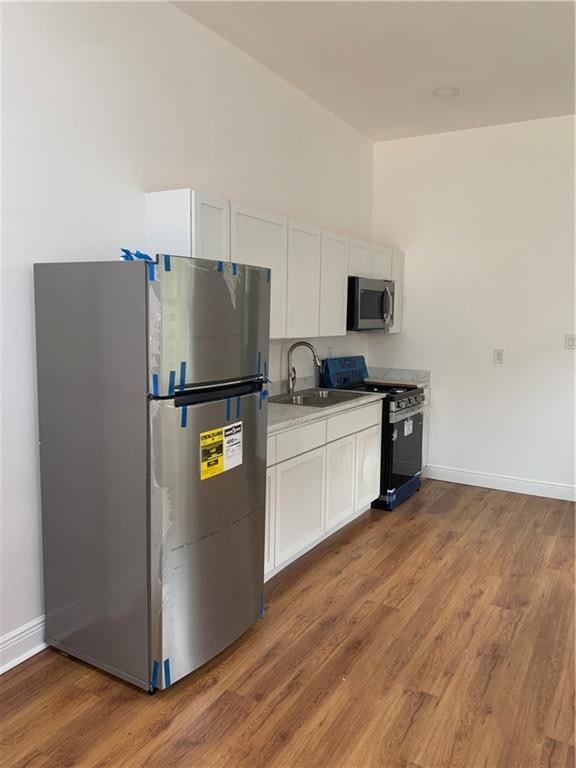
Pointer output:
396, 416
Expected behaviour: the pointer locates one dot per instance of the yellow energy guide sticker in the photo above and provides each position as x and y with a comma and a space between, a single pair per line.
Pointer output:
211, 453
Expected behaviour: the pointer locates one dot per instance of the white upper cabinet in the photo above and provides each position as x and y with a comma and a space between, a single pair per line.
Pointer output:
382, 262
168, 222
333, 284
359, 258
210, 227
184, 222
303, 300
398, 277
261, 239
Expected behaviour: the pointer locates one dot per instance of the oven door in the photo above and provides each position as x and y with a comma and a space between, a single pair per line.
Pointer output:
370, 304
406, 447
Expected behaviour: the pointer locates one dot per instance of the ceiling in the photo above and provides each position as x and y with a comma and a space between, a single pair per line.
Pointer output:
376, 64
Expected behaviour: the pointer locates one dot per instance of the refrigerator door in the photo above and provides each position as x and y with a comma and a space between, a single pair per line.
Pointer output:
208, 323
208, 469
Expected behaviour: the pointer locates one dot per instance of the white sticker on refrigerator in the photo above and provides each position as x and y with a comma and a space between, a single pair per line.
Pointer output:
232, 446
408, 426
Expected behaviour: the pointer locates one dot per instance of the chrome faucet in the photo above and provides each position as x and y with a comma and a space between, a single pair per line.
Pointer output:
292, 370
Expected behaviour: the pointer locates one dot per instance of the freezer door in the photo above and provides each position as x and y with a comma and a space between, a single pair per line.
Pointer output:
208, 475
208, 322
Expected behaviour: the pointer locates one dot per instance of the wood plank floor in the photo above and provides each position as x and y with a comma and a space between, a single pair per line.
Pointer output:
441, 634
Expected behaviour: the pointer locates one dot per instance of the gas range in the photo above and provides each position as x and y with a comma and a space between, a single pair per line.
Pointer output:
398, 398
352, 373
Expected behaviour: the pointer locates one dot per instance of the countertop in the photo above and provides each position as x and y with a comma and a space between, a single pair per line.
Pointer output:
281, 417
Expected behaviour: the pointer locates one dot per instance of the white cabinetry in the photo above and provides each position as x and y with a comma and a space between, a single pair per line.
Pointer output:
340, 500
185, 222
368, 447
333, 284
381, 262
398, 277
360, 258
326, 473
299, 503
303, 306
270, 528
260, 239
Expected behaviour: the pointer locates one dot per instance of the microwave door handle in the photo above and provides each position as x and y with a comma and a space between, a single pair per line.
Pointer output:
388, 316
390, 306
384, 311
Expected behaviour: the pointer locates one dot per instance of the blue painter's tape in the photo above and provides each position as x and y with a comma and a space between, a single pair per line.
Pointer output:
263, 396
234, 268
220, 266
182, 374
184, 416
237, 407
261, 605
167, 265
143, 256
167, 673
228, 409
259, 362
126, 254
155, 671
155, 386
151, 270
172, 382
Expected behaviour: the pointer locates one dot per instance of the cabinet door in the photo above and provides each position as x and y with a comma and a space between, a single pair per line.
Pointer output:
382, 262
210, 227
359, 258
299, 503
333, 284
368, 447
167, 219
270, 525
303, 297
339, 481
261, 239
398, 277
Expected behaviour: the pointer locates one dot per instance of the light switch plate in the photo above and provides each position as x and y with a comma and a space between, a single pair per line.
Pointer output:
570, 341
498, 356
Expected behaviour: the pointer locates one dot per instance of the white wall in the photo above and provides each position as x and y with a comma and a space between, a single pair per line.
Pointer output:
101, 102
486, 217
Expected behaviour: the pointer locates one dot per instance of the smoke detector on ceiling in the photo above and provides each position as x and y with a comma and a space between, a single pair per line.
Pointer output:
446, 92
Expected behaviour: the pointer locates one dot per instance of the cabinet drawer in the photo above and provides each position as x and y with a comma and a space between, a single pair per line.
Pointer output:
271, 451
354, 421
300, 440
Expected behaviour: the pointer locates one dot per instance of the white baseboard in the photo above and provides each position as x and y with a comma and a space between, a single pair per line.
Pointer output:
21, 643
501, 482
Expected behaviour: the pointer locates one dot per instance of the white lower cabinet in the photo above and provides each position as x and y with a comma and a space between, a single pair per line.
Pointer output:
368, 449
300, 501
270, 529
340, 501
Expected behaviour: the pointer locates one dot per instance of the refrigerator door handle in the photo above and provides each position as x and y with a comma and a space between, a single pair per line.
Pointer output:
229, 390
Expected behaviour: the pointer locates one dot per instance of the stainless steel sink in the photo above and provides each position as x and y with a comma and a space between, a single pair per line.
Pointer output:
316, 398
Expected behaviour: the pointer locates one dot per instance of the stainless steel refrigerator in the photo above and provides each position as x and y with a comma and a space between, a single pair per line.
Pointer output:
152, 425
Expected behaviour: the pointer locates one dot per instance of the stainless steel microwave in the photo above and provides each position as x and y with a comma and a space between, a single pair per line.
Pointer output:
370, 304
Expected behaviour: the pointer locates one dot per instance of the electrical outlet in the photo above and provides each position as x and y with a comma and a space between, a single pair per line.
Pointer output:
570, 341
498, 356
